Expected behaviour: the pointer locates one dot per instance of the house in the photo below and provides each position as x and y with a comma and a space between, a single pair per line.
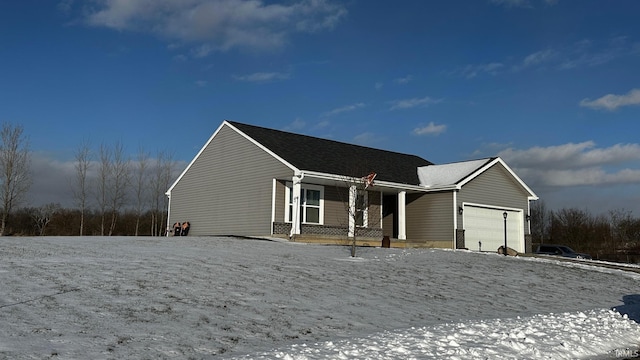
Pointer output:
259, 182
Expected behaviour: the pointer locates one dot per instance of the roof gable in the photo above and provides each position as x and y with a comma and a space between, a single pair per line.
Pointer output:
448, 174
456, 175
334, 157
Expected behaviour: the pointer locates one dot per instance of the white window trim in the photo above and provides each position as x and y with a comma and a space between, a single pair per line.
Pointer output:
365, 211
303, 187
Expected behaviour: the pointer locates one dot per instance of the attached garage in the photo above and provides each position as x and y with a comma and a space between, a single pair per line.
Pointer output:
484, 228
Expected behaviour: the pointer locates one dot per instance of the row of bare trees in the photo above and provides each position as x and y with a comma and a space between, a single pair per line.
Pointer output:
612, 236
106, 184
112, 181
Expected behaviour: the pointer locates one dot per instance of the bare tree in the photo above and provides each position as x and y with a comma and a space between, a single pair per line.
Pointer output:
169, 176
15, 177
42, 216
159, 182
357, 206
81, 188
102, 184
540, 221
118, 182
140, 177
623, 228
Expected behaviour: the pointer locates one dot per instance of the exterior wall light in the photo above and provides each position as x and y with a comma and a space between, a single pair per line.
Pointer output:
504, 250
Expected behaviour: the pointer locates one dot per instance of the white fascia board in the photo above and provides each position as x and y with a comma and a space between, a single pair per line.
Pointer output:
532, 195
226, 123
440, 188
323, 176
377, 184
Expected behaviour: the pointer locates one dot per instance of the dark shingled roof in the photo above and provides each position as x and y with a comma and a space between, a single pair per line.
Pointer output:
333, 157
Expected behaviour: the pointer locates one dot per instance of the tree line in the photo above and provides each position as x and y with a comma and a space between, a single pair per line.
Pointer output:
113, 193
613, 236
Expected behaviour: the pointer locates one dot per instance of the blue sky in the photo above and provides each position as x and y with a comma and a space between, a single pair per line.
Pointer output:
551, 86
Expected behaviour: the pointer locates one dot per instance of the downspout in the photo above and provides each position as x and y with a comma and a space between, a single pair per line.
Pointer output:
168, 213
455, 220
273, 205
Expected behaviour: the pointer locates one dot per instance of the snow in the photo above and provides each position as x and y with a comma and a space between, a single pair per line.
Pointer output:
448, 174
210, 297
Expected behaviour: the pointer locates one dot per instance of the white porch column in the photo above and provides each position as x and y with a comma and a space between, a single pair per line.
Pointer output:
352, 210
295, 216
402, 218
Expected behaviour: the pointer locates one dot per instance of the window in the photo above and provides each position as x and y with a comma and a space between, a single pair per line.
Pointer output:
362, 208
311, 204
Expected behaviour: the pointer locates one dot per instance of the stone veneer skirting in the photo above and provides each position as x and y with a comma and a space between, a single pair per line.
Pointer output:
280, 228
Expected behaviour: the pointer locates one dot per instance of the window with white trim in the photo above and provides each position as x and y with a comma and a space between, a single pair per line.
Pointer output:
362, 208
311, 204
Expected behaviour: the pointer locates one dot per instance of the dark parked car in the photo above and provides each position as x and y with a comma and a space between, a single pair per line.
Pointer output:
561, 250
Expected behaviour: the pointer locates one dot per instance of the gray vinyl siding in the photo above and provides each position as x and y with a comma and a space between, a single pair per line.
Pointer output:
281, 201
335, 210
429, 217
387, 225
495, 187
335, 202
228, 188
375, 209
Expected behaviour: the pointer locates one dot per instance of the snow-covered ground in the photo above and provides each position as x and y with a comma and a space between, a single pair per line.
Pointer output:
201, 298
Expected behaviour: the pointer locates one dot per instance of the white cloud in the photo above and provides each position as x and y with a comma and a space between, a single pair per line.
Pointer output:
586, 53
583, 177
296, 124
403, 80
430, 129
378, 85
180, 58
582, 54
201, 83
471, 71
65, 6
343, 109
263, 77
612, 102
576, 164
54, 180
411, 103
572, 155
538, 57
218, 25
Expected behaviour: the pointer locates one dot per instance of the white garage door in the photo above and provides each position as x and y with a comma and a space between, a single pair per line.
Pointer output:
485, 227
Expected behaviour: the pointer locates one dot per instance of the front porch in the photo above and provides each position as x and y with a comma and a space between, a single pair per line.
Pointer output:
337, 235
